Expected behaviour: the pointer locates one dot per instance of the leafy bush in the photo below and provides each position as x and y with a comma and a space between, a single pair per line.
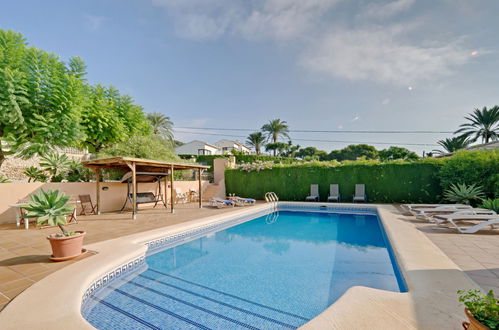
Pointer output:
484, 307
385, 182
472, 167
491, 204
77, 172
463, 194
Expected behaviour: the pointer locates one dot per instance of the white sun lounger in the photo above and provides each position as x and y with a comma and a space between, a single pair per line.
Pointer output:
314, 193
334, 193
429, 213
219, 203
451, 219
428, 206
245, 201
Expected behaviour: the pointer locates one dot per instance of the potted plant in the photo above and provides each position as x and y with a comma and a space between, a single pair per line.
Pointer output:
481, 309
51, 208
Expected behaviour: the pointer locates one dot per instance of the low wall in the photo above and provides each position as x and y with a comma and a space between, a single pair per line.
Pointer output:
112, 198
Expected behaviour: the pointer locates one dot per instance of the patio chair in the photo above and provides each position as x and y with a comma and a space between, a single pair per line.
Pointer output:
219, 203
314, 193
452, 219
360, 193
86, 202
334, 193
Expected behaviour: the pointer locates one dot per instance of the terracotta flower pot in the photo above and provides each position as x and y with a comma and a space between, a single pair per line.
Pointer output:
473, 324
66, 247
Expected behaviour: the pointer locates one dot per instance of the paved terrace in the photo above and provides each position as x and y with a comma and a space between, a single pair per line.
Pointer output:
24, 253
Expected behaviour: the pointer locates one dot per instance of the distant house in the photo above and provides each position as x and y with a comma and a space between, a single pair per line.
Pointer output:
490, 145
226, 146
197, 148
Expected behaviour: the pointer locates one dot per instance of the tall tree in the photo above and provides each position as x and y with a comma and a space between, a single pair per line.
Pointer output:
39, 97
482, 124
257, 141
353, 152
453, 144
274, 129
161, 125
108, 117
393, 153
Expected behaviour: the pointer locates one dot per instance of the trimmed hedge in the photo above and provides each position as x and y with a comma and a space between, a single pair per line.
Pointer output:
415, 182
479, 167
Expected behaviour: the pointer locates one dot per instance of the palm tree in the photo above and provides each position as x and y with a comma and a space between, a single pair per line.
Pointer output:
274, 129
453, 144
256, 140
482, 124
161, 125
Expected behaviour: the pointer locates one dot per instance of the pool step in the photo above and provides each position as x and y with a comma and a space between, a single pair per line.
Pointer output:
162, 300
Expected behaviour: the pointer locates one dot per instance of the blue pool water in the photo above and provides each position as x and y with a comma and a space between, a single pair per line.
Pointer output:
268, 273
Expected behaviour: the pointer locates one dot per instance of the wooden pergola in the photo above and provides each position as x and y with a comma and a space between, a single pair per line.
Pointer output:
142, 165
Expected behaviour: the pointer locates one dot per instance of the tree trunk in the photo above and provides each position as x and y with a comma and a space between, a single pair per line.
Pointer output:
2, 154
64, 231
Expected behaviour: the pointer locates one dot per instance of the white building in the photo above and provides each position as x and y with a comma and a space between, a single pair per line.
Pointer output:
226, 146
197, 148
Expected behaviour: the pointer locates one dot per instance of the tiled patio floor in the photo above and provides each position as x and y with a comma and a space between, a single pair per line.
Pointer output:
24, 254
477, 254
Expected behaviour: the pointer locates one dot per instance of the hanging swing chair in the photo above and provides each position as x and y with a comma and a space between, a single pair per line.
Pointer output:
144, 197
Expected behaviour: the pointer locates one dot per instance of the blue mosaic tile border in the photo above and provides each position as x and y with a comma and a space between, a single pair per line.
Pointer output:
327, 207
114, 274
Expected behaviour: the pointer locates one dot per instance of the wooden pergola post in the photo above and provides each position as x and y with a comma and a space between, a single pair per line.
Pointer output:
165, 200
97, 189
200, 192
134, 191
172, 197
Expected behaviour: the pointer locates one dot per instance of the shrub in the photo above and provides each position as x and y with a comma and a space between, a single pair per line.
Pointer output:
4, 179
472, 167
385, 182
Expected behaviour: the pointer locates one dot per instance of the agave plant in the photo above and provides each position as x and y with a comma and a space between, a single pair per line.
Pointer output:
491, 204
55, 164
49, 207
35, 174
461, 193
4, 179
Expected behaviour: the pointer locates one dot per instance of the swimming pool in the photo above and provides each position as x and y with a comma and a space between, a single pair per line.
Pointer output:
275, 271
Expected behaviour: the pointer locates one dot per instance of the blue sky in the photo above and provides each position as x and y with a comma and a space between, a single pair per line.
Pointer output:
318, 64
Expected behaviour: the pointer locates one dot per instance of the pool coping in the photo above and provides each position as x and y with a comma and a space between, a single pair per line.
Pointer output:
431, 277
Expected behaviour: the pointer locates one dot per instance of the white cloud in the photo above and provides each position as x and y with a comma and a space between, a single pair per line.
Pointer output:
209, 19
93, 22
382, 54
326, 40
386, 10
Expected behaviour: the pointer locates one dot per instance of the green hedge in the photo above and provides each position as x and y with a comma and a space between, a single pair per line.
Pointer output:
479, 167
415, 182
